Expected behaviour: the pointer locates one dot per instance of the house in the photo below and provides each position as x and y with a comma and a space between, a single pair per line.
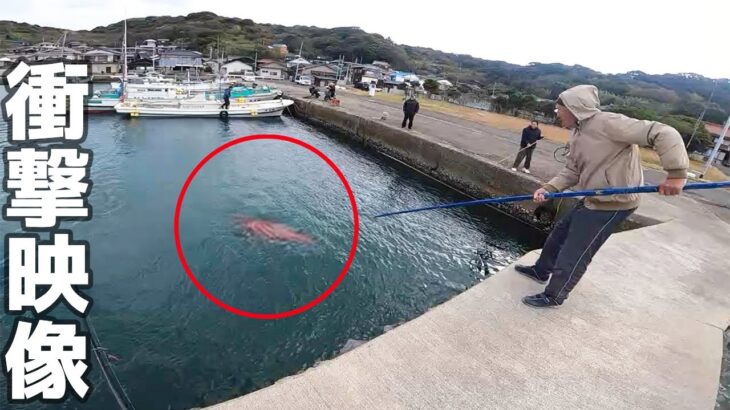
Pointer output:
77, 45
149, 44
272, 71
403, 76
180, 59
321, 74
211, 64
444, 85
367, 73
715, 130
297, 61
56, 53
237, 66
103, 61
5, 62
382, 64
140, 64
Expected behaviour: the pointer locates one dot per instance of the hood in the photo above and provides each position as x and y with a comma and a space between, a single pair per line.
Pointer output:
582, 101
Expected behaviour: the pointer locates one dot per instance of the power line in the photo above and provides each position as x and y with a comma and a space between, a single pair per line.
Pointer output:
702, 114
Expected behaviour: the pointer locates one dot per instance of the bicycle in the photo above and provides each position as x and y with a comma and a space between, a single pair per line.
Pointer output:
561, 153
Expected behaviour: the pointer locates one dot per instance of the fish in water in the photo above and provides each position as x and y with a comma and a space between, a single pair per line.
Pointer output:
271, 230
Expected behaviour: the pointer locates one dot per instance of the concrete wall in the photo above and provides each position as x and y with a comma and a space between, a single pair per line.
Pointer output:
469, 173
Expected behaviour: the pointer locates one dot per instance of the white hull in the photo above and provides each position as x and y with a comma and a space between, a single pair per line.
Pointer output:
100, 104
201, 108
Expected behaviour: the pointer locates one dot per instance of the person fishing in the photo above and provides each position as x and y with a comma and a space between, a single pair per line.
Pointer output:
410, 109
226, 98
604, 153
530, 135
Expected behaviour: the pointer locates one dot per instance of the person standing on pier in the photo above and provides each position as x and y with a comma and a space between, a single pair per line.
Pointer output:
530, 135
410, 108
604, 153
226, 98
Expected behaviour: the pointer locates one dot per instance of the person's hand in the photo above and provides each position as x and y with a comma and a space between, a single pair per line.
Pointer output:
539, 195
672, 186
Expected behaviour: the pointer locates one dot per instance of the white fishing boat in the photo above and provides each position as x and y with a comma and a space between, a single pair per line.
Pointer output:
201, 106
151, 77
103, 101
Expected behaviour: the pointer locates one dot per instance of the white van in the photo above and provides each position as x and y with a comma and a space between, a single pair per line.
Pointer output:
303, 80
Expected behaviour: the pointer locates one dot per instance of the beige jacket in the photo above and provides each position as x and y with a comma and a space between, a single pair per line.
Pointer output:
604, 151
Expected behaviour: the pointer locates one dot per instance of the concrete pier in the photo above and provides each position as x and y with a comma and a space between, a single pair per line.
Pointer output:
642, 330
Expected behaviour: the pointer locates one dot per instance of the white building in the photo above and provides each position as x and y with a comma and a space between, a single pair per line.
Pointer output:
298, 61
103, 61
149, 44
5, 62
237, 67
272, 71
444, 85
56, 53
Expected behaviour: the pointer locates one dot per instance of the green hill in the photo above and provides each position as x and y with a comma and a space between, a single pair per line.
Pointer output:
680, 94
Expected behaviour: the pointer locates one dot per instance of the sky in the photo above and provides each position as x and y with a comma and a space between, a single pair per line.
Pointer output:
611, 36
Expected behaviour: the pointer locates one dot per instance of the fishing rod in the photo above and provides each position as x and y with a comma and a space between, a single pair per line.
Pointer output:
102, 357
595, 192
512, 155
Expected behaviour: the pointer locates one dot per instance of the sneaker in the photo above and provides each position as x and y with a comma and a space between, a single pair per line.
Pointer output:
541, 300
514, 169
531, 273
526, 171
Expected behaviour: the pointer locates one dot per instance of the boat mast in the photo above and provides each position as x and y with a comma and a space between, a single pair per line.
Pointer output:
124, 66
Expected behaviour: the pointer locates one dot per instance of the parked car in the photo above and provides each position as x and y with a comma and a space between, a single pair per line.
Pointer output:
362, 86
303, 80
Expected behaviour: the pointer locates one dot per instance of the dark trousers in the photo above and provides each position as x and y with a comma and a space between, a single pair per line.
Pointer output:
524, 153
408, 117
571, 245
226, 103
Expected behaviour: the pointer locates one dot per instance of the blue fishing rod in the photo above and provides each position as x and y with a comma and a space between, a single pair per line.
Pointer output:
595, 192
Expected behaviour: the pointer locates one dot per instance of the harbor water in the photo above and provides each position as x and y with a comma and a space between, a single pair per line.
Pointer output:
176, 349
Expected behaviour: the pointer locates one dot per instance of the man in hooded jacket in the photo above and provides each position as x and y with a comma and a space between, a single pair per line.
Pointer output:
410, 109
603, 153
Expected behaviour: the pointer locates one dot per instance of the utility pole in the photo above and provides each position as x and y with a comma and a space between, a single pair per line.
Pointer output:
702, 115
296, 70
719, 142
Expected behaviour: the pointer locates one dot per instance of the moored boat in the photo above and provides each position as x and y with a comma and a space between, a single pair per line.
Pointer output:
103, 101
200, 106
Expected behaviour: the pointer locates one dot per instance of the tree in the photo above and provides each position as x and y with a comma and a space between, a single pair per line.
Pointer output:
686, 125
715, 115
453, 92
500, 103
431, 85
547, 108
688, 108
635, 112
